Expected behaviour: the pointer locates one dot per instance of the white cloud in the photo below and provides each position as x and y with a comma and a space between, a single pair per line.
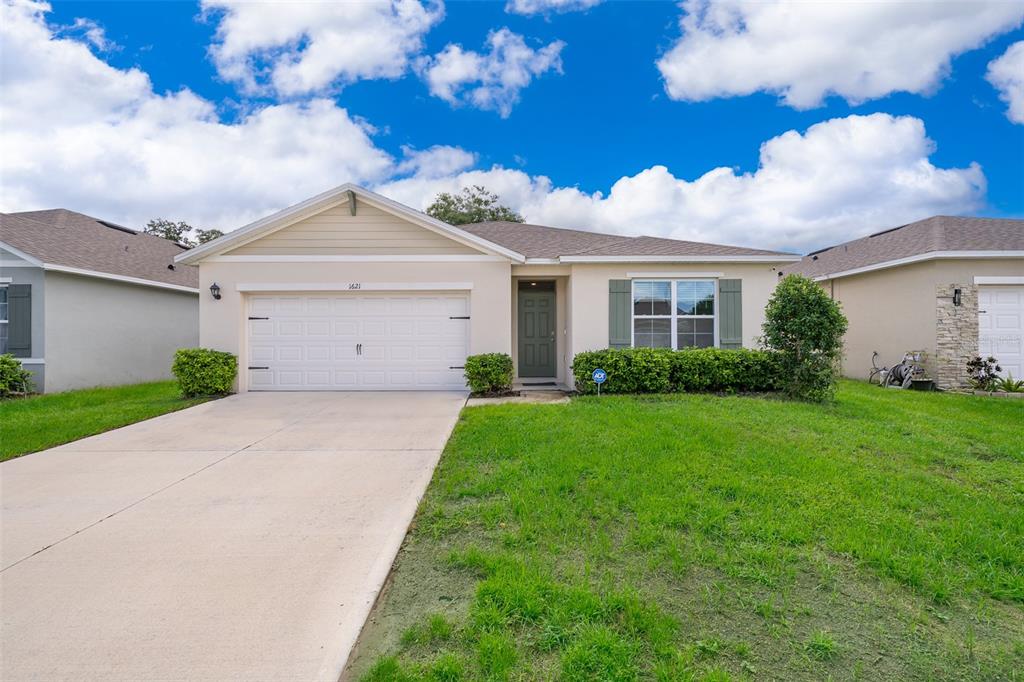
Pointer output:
1006, 74
95, 34
840, 179
77, 133
296, 48
436, 162
491, 80
805, 51
529, 7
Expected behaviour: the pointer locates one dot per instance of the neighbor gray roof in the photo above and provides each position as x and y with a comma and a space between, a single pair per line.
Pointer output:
539, 241
939, 233
65, 238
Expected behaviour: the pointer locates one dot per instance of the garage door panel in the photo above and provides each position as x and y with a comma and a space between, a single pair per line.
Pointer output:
348, 307
318, 328
408, 341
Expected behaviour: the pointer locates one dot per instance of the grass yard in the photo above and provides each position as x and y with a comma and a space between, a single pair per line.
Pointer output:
698, 537
43, 421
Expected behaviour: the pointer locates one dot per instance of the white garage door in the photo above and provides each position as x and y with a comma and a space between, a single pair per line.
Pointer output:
1001, 326
358, 342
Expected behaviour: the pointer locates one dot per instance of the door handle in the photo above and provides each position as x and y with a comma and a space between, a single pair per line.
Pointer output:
359, 349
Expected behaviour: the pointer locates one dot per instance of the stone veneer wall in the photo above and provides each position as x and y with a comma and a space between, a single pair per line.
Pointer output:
956, 334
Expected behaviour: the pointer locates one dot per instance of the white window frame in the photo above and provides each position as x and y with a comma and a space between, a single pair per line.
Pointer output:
673, 315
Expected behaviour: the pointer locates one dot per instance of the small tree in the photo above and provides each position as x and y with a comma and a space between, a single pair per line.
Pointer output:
806, 327
203, 236
172, 231
472, 205
180, 232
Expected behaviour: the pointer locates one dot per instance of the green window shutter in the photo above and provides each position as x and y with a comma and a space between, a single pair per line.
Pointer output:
620, 294
730, 313
19, 320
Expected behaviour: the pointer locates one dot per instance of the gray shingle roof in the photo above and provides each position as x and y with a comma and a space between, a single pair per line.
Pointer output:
540, 241
939, 233
66, 238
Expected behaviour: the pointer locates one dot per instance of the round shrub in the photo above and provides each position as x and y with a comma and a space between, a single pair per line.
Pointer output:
489, 373
805, 326
204, 372
14, 379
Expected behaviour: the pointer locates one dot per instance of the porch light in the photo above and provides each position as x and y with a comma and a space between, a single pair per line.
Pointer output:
957, 297
215, 291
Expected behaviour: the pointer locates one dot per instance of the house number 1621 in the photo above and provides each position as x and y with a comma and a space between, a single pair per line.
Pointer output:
355, 285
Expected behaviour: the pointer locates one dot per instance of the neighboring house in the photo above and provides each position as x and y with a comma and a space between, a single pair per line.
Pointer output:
950, 287
352, 291
84, 302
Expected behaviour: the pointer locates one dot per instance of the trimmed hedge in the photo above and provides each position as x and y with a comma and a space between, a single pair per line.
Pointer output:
14, 379
204, 372
657, 370
489, 373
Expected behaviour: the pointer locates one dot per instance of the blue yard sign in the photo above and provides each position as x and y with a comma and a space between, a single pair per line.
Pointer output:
599, 376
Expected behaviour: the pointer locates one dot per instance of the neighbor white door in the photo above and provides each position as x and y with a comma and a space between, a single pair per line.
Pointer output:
358, 341
1001, 326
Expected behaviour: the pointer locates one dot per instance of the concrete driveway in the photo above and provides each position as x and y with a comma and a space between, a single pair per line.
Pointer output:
241, 539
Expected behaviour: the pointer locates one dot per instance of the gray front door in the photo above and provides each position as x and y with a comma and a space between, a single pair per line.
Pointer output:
537, 329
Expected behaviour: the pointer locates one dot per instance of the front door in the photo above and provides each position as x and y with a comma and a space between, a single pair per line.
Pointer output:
536, 329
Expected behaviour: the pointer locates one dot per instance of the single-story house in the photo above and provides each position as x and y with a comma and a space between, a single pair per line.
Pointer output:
949, 287
350, 290
85, 302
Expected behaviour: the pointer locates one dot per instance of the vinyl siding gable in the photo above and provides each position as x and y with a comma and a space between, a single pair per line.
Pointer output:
335, 231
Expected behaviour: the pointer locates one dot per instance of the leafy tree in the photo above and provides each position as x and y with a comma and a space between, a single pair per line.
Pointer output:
203, 236
472, 205
180, 232
170, 230
806, 327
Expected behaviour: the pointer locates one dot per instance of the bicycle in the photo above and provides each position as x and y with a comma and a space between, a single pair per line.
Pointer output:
877, 374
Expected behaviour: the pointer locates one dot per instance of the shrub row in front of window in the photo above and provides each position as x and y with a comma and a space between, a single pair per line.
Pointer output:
660, 370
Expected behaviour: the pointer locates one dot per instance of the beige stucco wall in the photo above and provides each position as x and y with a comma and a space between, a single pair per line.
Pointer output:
104, 333
223, 322
588, 295
891, 311
894, 310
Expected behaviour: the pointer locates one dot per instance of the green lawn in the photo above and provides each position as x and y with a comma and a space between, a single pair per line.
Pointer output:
716, 538
42, 421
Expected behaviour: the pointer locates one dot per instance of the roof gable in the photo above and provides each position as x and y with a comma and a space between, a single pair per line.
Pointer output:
331, 207
335, 231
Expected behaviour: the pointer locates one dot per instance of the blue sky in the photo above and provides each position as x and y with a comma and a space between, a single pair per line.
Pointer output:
602, 114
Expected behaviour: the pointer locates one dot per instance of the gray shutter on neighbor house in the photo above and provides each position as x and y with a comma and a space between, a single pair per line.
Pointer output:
620, 294
19, 320
730, 313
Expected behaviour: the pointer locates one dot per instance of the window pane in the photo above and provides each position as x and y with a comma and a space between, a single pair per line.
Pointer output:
652, 298
652, 333
686, 297
3, 303
3, 339
704, 340
705, 298
706, 326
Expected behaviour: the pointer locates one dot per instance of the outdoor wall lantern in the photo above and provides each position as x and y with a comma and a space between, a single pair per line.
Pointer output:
215, 290
957, 297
